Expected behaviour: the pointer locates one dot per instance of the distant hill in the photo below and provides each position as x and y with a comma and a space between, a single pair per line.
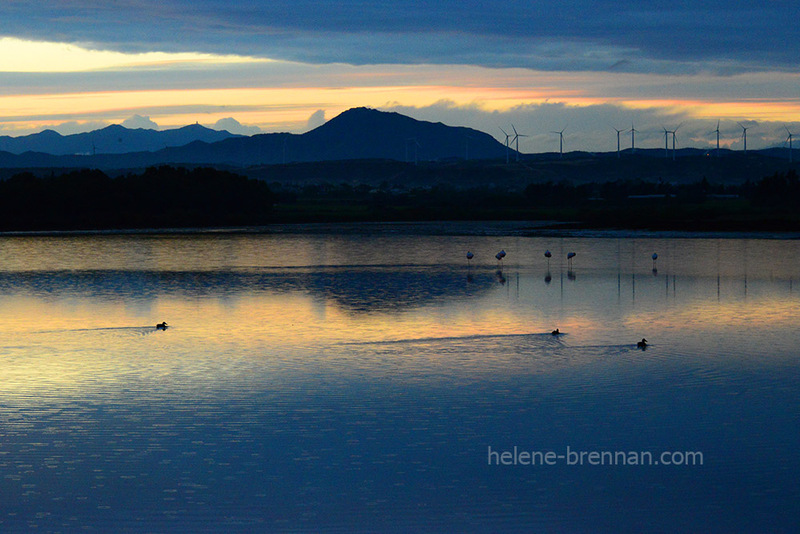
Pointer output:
113, 139
358, 133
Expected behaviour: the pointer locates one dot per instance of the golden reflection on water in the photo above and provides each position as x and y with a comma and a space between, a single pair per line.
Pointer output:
82, 310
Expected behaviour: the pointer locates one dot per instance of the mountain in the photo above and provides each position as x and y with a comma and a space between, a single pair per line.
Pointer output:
362, 133
358, 133
113, 139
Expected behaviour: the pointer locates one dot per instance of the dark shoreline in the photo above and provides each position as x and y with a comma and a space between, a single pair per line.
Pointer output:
521, 228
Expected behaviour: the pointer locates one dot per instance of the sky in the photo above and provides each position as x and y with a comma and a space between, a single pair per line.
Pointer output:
587, 67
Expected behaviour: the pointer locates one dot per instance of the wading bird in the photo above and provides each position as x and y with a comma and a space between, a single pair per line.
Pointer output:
569, 259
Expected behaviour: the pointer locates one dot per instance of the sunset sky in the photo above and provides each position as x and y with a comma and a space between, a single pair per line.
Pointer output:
586, 66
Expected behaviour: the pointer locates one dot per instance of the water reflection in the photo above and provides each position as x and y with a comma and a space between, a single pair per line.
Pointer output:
357, 290
610, 282
328, 383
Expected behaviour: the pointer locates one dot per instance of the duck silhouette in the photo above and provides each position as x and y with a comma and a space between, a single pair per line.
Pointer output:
555, 332
642, 344
161, 326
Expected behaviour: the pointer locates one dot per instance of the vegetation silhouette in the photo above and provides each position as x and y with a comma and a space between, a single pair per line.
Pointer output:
161, 197
169, 197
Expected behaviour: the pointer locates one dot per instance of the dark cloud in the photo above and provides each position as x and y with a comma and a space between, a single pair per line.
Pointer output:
647, 35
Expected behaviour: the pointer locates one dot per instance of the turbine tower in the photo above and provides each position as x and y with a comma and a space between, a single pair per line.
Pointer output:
633, 138
717, 132
618, 132
674, 137
517, 135
666, 142
744, 136
790, 142
507, 137
560, 142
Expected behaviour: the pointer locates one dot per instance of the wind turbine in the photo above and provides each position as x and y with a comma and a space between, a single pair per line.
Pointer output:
517, 135
790, 142
717, 132
744, 135
618, 132
560, 142
633, 138
666, 142
507, 136
674, 137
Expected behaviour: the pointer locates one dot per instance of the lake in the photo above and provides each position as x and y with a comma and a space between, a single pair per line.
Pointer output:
368, 378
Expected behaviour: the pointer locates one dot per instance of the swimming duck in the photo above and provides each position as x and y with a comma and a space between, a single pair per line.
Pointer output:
161, 326
642, 344
555, 332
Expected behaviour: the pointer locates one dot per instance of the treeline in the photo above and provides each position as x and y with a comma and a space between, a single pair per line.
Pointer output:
161, 197
168, 197
766, 204
777, 190
769, 204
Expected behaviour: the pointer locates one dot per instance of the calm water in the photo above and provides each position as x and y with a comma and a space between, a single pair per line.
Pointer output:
315, 382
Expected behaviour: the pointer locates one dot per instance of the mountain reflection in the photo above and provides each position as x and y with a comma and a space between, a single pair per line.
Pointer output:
356, 290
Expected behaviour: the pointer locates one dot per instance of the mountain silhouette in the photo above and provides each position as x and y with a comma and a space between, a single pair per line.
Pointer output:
358, 133
114, 139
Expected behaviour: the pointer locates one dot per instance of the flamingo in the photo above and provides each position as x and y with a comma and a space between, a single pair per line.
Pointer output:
569, 259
